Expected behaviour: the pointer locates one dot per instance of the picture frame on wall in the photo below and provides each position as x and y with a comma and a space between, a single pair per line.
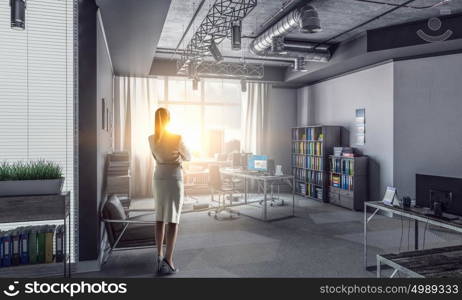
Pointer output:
360, 126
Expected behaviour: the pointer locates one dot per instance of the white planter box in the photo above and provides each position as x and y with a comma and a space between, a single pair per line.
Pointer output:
31, 187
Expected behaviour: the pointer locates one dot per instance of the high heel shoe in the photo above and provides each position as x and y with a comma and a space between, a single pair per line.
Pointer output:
159, 263
167, 269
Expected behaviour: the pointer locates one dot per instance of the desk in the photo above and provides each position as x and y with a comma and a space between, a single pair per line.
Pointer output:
416, 214
432, 263
245, 175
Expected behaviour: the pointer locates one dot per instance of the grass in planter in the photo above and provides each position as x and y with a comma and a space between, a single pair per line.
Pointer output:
34, 170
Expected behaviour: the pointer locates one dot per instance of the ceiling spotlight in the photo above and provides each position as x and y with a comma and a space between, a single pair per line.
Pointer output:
236, 35
215, 51
277, 45
309, 20
243, 85
18, 14
195, 83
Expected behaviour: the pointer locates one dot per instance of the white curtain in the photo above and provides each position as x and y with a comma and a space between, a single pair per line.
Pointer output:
135, 101
255, 117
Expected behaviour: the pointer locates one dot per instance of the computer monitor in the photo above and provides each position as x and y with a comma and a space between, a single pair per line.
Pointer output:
446, 192
257, 163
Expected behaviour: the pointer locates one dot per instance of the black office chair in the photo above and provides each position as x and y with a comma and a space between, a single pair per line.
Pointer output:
217, 186
124, 232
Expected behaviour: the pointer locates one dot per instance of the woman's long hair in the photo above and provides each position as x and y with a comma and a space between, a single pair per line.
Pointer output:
162, 119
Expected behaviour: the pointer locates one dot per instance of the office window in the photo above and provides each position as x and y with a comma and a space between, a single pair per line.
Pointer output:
209, 117
37, 88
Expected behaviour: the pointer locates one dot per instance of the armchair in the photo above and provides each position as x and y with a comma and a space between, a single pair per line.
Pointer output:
124, 232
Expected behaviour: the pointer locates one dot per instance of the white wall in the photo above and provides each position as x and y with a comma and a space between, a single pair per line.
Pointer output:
282, 117
428, 118
333, 102
104, 90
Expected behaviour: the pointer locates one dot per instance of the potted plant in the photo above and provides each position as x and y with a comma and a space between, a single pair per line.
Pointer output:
30, 178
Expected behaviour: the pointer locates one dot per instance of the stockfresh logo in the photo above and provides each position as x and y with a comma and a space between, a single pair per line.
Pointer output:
434, 24
11, 290
65, 288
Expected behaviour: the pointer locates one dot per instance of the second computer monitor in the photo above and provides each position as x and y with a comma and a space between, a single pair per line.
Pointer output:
257, 163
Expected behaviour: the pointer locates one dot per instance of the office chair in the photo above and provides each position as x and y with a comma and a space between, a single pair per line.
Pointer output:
216, 186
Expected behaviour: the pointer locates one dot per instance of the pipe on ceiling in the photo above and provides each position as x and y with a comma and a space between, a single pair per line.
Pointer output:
306, 19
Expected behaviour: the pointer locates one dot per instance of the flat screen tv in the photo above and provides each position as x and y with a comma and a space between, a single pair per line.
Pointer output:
446, 190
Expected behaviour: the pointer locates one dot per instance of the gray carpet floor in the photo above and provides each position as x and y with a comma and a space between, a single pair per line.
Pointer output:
322, 240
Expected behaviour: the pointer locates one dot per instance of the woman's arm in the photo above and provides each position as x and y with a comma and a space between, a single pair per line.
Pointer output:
184, 151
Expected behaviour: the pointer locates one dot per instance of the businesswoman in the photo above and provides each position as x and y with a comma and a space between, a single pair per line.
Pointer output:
169, 152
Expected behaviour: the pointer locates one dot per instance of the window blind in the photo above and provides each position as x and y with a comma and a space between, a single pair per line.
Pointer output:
37, 90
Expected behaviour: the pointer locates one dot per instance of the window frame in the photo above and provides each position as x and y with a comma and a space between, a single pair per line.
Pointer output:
166, 102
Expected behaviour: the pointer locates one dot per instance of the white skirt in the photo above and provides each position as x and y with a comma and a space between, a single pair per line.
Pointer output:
168, 197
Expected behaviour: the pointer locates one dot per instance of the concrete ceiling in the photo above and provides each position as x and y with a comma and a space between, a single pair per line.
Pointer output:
133, 29
337, 16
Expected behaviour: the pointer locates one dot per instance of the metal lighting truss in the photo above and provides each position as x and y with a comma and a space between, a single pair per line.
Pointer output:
232, 70
215, 27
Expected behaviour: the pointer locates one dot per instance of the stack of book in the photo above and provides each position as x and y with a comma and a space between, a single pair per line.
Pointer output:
314, 191
32, 245
348, 152
301, 188
335, 180
118, 173
338, 151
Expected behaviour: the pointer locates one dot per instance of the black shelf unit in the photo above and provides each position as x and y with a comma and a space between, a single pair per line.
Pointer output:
348, 181
311, 147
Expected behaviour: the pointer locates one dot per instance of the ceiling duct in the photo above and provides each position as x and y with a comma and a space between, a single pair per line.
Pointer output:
230, 70
306, 19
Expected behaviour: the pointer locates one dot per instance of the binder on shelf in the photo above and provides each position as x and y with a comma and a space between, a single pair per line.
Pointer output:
33, 245
59, 243
1, 249
49, 232
15, 252
41, 245
24, 246
6, 246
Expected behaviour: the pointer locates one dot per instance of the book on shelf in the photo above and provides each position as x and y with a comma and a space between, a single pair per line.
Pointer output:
314, 133
314, 191
308, 162
344, 182
341, 165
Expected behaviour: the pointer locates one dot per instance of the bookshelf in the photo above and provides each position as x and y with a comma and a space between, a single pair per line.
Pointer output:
348, 181
35, 251
311, 147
